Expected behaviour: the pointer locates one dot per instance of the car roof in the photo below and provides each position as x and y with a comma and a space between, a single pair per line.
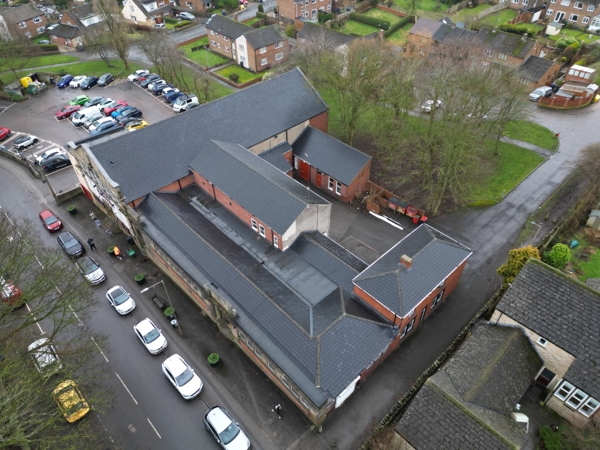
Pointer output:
46, 213
38, 343
115, 288
219, 419
144, 326
175, 364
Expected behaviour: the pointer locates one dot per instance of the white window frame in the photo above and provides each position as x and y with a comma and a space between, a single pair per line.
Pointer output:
574, 17
549, 12
541, 341
565, 2
596, 22
525, 2
37, 19
212, 33
286, 383
225, 38
488, 52
580, 396
304, 402
261, 230
22, 25
213, 43
275, 241
330, 184
566, 387
437, 298
254, 224
407, 328
585, 20
278, 56
271, 367
515, 2
40, 30
240, 47
218, 45
314, 13
263, 61
216, 34
338, 188
589, 406
590, 8
279, 44
27, 34
226, 49
578, 7
263, 50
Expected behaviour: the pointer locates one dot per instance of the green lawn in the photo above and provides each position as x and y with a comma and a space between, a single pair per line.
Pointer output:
532, 133
358, 28
500, 17
383, 15
202, 41
426, 5
400, 37
218, 90
45, 60
206, 58
580, 35
245, 75
512, 165
466, 14
251, 21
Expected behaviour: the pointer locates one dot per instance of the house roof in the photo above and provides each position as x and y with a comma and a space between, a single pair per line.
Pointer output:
263, 37
502, 42
20, 13
534, 68
66, 31
563, 311
426, 27
434, 257
161, 153
274, 156
227, 27
329, 155
315, 33
140, 7
83, 11
315, 336
257, 186
458, 36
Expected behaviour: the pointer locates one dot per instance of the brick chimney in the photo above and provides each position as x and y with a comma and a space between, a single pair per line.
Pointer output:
406, 261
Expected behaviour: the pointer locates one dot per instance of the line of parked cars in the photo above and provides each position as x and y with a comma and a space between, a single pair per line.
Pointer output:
84, 82
154, 83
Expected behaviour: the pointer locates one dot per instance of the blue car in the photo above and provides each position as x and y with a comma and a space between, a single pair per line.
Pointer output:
104, 127
171, 97
118, 111
64, 81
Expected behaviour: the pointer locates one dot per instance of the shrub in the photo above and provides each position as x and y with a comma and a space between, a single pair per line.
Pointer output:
373, 21
290, 31
48, 47
170, 20
183, 23
227, 4
581, 62
322, 17
234, 77
568, 52
517, 29
559, 256
261, 8
397, 26
517, 258
563, 59
565, 42
261, 15
551, 439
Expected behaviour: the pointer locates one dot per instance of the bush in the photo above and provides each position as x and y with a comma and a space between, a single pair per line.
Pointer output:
322, 17
551, 439
565, 42
397, 25
183, 23
234, 77
261, 15
517, 29
517, 258
261, 8
559, 256
373, 21
290, 31
227, 4
48, 47
170, 20
581, 62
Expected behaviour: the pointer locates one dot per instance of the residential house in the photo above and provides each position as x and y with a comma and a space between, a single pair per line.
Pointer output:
22, 21
476, 400
147, 13
222, 33
560, 316
197, 5
313, 34
536, 71
74, 24
437, 36
248, 243
67, 35
577, 90
577, 13
304, 10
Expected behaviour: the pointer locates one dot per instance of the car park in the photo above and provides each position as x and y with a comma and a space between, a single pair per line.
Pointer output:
184, 103
89, 83
89, 121
138, 73
118, 111
544, 91
79, 100
151, 336
114, 105
55, 162
182, 376
120, 299
186, 16
9, 291
158, 88
429, 105
70, 401
90, 270
103, 127
100, 120
149, 79
137, 124
76, 81
50, 221
151, 85
71, 246
64, 81
132, 112
45, 357
4, 133
225, 430
25, 141
105, 79
93, 101
67, 111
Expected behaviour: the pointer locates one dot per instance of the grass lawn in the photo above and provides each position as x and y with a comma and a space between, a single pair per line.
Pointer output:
467, 14
383, 15
45, 60
202, 41
580, 35
206, 58
532, 133
426, 5
511, 166
245, 75
498, 18
251, 21
218, 90
585, 258
400, 37
358, 28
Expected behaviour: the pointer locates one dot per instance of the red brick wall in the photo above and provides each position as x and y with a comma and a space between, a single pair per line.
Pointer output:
255, 57
287, 8
219, 44
178, 185
389, 315
30, 26
347, 192
360, 182
320, 122
62, 41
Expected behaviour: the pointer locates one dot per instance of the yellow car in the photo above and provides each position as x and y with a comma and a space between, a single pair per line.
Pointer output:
70, 401
138, 124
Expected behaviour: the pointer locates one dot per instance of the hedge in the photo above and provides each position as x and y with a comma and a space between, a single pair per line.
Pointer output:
261, 15
397, 25
48, 47
373, 21
170, 20
183, 23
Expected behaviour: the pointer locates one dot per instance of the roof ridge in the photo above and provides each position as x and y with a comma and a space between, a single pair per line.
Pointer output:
572, 280
308, 235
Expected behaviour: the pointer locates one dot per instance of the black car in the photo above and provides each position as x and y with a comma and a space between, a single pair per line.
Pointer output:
157, 90
133, 112
93, 101
149, 79
105, 79
129, 120
70, 245
89, 83
55, 162
106, 126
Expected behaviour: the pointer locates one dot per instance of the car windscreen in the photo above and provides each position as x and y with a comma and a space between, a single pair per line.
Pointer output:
119, 296
69, 241
50, 220
184, 377
151, 336
87, 265
229, 433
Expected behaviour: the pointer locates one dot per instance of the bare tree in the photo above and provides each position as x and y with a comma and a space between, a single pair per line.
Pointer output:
15, 53
116, 26
97, 40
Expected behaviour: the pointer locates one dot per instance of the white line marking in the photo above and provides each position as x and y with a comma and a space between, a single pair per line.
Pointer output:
127, 389
36, 258
74, 313
36, 321
99, 349
153, 428
7, 108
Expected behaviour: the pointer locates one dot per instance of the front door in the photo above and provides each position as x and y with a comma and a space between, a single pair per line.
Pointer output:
303, 169
545, 378
319, 175
560, 16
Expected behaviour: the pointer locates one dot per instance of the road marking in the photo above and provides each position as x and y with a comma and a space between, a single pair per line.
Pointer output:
100, 350
74, 313
34, 318
153, 428
4, 110
126, 388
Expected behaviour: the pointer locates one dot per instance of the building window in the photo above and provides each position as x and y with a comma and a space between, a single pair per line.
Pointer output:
596, 22
589, 407
22, 25
423, 311
254, 224
585, 20
212, 33
328, 8
407, 328
488, 52
578, 5
338, 188
330, 184
573, 17
257, 353
306, 14
226, 49
261, 230
37, 19
549, 12
437, 299
216, 34
542, 341
314, 14
564, 390
285, 381
565, 2
240, 47
40, 30
575, 400
213, 43
218, 45
225, 38
27, 34
271, 366
525, 2
590, 8
515, 1
263, 62
279, 44
250, 345
275, 241
278, 56
295, 392
263, 50
304, 402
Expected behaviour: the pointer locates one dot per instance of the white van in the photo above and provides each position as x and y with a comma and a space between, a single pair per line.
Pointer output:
80, 116
185, 103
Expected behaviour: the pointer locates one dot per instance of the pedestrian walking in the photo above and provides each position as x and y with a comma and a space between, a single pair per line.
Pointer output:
277, 409
90, 242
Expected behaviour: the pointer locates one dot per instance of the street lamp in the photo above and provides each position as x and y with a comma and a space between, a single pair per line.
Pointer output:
169, 298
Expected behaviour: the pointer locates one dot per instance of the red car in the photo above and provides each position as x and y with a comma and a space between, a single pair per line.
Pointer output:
67, 111
50, 221
4, 133
113, 106
9, 291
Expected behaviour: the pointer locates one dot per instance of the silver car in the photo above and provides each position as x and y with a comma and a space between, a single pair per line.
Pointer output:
44, 357
544, 91
120, 299
91, 270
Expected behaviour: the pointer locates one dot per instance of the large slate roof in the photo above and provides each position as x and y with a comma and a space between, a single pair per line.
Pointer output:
227, 27
161, 153
66, 31
502, 42
316, 34
257, 186
434, 257
563, 311
275, 156
20, 13
329, 155
426, 27
84, 11
316, 343
263, 37
534, 68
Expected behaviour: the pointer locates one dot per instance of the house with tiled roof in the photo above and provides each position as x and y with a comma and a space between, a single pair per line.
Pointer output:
313, 34
580, 14
302, 10
22, 21
536, 71
147, 13
560, 315
75, 22
503, 48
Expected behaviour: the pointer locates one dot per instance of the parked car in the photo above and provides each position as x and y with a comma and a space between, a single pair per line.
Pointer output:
89, 120
50, 221
48, 153
150, 336
100, 120
143, 77
43, 42
114, 105
104, 103
70, 401
159, 26
91, 270
154, 83
126, 121
64, 81
4, 133
9, 291
81, 116
428, 106
70, 245
166, 91
132, 112
44, 357
182, 376
55, 162
172, 96
186, 16
138, 73
25, 141
118, 111
225, 430
105, 79
107, 126
93, 101
76, 81
544, 91
67, 111
137, 124
158, 88
89, 83
120, 299
185, 102
79, 100
149, 79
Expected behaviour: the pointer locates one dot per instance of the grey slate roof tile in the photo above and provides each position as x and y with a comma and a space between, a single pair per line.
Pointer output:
274, 156
426, 27
563, 311
317, 34
20, 13
161, 153
66, 31
329, 155
502, 42
227, 27
534, 68
262, 37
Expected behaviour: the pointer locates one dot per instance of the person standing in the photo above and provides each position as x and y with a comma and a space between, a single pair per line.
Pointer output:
90, 242
277, 409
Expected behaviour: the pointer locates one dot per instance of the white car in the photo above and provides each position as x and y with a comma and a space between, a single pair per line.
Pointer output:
165, 91
91, 270
154, 83
225, 430
44, 357
150, 336
47, 153
76, 81
186, 16
182, 376
100, 121
104, 103
137, 74
25, 141
429, 105
120, 299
